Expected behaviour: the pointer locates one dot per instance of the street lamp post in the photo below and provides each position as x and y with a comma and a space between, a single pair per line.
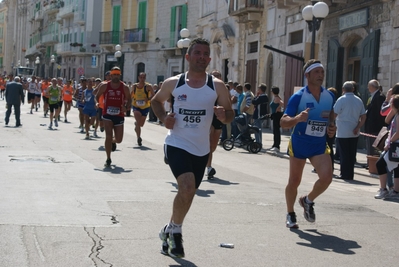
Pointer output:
183, 44
27, 62
314, 14
37, 62
118, 52
52, 61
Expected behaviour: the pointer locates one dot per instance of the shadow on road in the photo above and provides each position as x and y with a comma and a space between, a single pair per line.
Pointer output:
182, 262
199, 192
216, 180
113, 169
326, 242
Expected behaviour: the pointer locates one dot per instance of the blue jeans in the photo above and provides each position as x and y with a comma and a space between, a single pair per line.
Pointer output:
258, 136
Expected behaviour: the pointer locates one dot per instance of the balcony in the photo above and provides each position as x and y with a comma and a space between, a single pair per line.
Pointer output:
79, 15
137, 35
65, 12
51, 8
111, 38
31, 51
246, 7
38, 15
49, 38
63, 48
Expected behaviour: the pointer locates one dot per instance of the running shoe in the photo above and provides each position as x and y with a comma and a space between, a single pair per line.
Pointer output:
56, 123
382, 193
95, 134
291, 220
31, 111
308, 211
113, 147
211, 173
82, 130
50, 127
392, 195
87, 137
65, 120
139, 141
175, 242
108, 163
164, 237
102, 129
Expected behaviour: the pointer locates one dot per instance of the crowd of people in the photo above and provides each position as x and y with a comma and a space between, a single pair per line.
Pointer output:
199, 110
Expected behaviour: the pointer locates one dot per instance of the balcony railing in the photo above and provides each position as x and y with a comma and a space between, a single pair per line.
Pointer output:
49, 38
66, 11
137, 35
38, 15
241, 7
51, 8
111, 38
63, 48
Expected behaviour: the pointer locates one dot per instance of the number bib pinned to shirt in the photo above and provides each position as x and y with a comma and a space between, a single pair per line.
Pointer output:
316, 128
191, 118
140, 103
113, 110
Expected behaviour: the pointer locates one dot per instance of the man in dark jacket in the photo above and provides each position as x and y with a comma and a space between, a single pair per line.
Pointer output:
374, 120
261, 103
14, 97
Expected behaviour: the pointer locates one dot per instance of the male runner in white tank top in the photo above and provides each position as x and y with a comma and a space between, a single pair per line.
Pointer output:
193, 95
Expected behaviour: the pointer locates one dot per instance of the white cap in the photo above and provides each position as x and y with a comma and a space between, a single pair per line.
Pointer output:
17, 79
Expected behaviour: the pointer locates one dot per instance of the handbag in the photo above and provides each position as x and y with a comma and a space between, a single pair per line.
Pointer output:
394, 152
379, 142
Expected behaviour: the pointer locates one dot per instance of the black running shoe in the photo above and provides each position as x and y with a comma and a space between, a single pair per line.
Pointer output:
164, 237
139, 141
308, 211
211, 173
291, 220
175, 243
108, 163
113, 147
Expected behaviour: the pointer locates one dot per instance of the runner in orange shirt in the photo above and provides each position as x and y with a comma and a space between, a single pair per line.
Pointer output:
2, 87
67, 93
44, 85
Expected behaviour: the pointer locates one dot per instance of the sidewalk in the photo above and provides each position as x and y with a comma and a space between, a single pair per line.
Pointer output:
267, 138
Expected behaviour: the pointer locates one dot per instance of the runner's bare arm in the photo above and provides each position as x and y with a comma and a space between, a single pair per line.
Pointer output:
157, 102
128, 97
223, 111
100, 92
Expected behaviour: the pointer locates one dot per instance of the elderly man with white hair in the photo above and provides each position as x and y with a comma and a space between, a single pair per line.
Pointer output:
14, 97
350, 116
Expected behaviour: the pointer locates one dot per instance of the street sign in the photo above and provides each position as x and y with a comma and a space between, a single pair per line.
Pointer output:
81, 71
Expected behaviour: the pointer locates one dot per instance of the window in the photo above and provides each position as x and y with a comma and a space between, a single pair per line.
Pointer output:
296, 37
178, 21
142, 16
252, 47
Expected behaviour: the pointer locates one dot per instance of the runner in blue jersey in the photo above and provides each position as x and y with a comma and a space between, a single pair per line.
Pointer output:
310, 114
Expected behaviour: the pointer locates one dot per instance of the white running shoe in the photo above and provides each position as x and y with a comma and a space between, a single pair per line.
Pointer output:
382, 193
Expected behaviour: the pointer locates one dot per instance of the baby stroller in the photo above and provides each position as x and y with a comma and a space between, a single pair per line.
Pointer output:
244, 139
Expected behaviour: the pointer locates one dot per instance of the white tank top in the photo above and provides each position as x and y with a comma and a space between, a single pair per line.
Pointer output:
194, 113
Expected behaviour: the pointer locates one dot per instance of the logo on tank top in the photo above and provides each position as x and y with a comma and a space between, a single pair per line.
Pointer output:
182, 97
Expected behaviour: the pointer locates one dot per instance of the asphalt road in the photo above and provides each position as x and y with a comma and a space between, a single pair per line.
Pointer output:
60, 207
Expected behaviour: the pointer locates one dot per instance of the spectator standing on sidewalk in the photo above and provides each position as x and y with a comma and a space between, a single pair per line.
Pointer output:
276, 107
383, 162
310, 113
374, 120
14, 95
350, 117
261, 102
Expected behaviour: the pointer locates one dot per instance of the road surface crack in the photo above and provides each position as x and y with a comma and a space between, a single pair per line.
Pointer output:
96, 248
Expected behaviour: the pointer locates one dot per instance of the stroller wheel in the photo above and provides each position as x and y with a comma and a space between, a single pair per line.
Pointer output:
228, 144
254, 147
